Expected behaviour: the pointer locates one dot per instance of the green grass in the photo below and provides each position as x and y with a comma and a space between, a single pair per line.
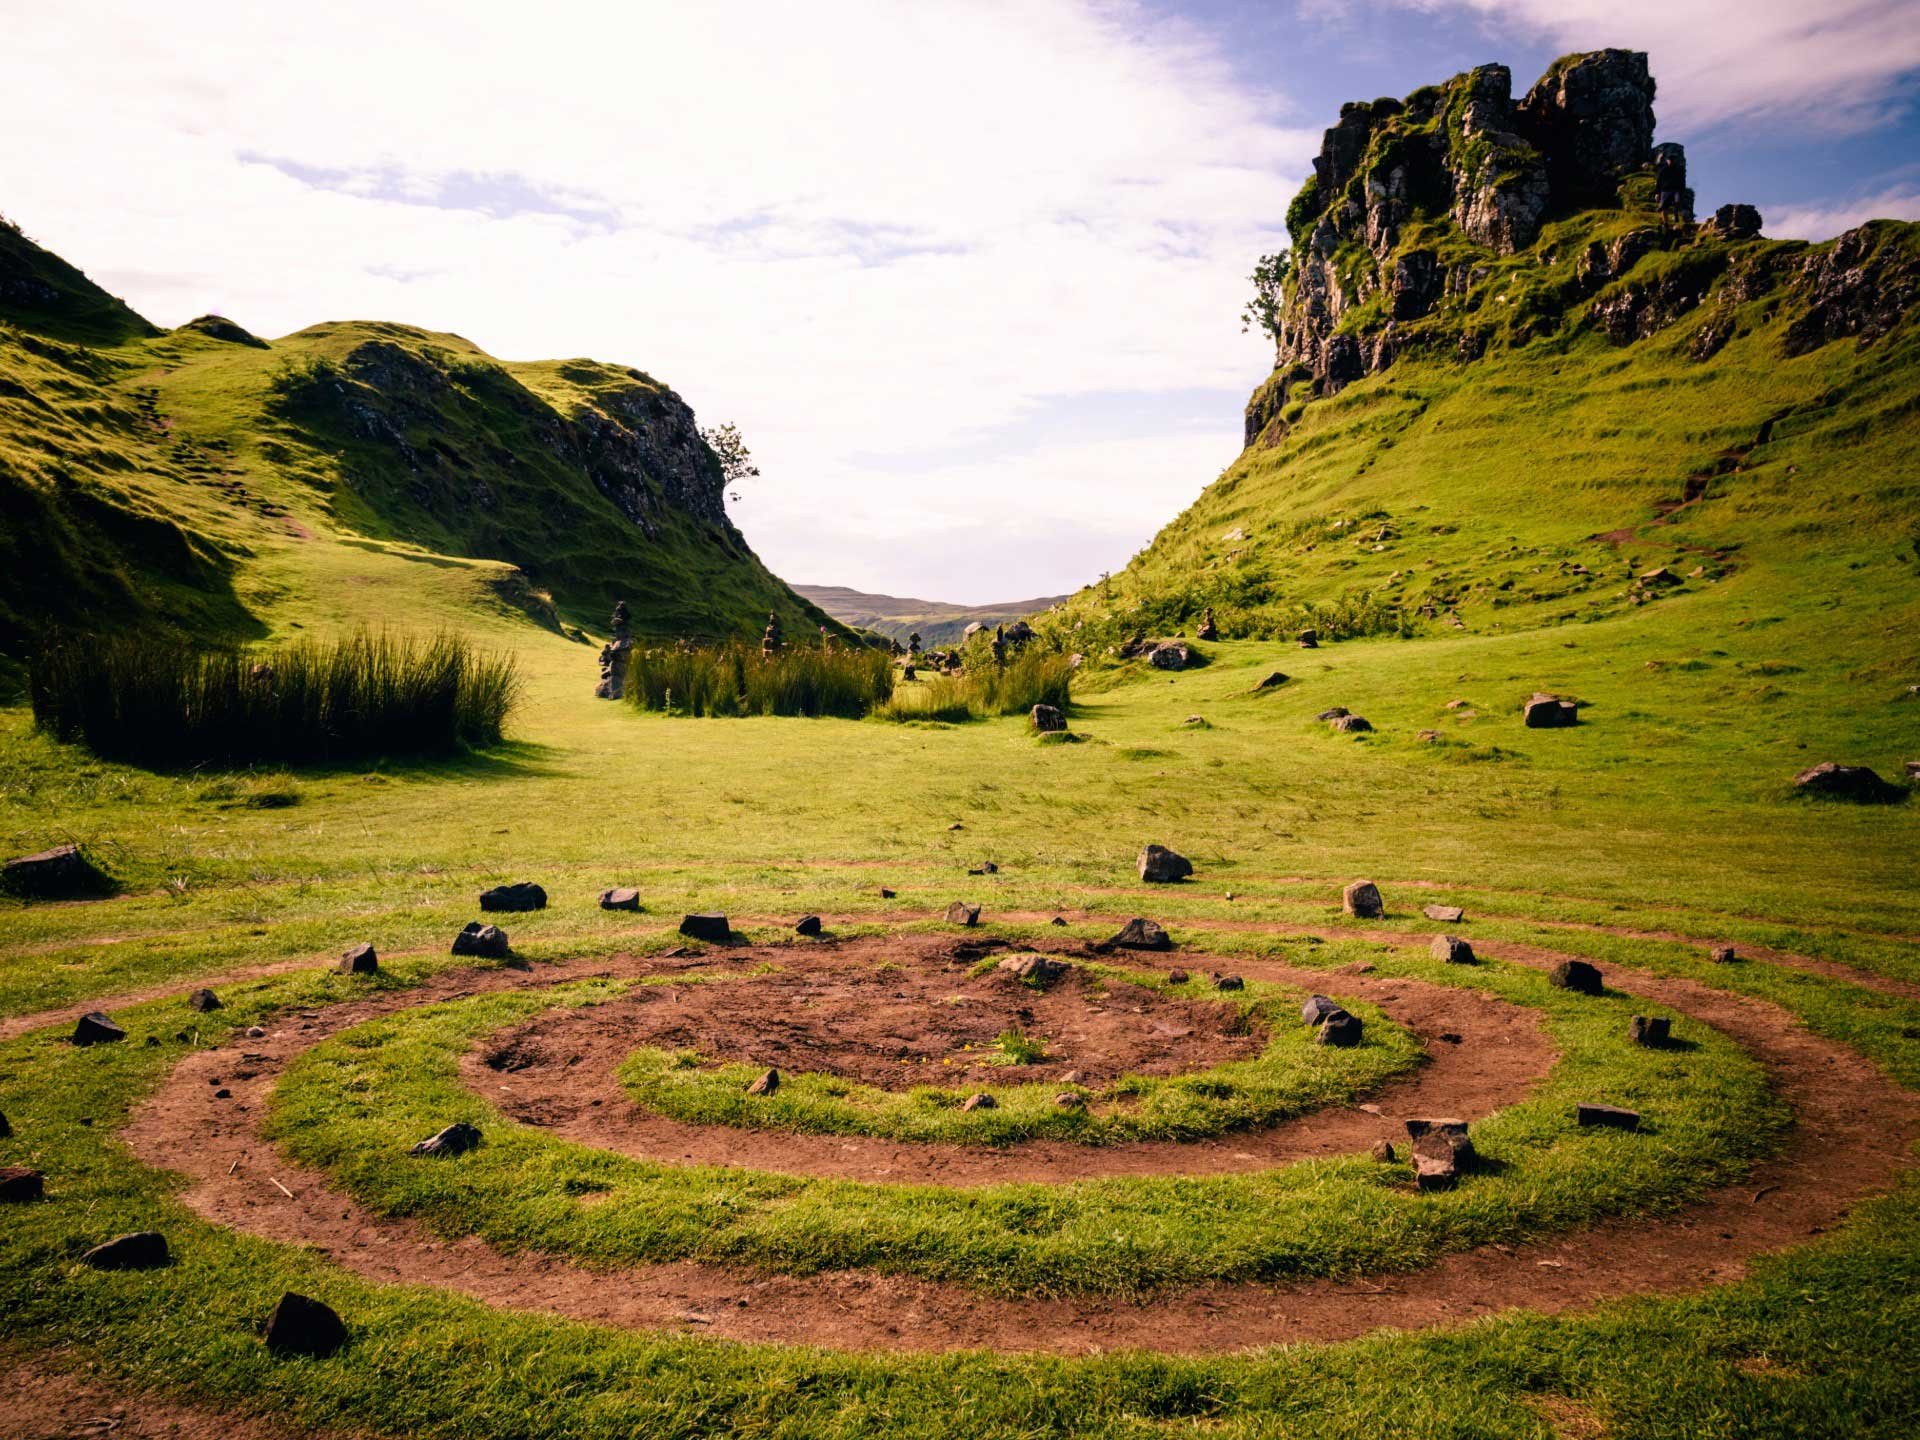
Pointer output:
736, 680
983, 690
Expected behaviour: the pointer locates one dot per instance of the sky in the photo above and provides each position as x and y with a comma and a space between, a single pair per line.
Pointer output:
966, 273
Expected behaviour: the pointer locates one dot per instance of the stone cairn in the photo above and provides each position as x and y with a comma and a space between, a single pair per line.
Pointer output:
998, 645
613, 656
911, 671
1207, 630
770, 642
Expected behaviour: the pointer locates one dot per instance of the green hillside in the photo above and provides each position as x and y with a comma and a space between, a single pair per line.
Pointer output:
897, 616
223, 485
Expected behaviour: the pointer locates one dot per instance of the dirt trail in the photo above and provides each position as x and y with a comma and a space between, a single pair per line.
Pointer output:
1854, 1135
42, 1401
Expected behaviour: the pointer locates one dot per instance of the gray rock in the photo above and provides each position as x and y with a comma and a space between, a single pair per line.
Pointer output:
621, 897
1855, 783
1362, 900
1352, 725
1441, 1152
1047, 719
204, 1001
1319, 1009
18, 1184
1383, 1152
362, 960
1070, 1100
456, 1139
980, 1101
62, 873
1576, 975
521, 896
961, 913
1141, 934
140, 1250
96, 1027
1549, 712
1445, 914
808, 925
1452, 949
1033, 969
487, 942
1177, 977
1610, 1117
766, 1084
1170, 655
1342, 1030
1723, 955
1652, 1031
1161, 866
1228, 982
1338, 712
1309, 639
303, 1326
709, 927
1272, 682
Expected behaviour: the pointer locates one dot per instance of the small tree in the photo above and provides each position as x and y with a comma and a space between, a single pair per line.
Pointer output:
1269, 282
736, 461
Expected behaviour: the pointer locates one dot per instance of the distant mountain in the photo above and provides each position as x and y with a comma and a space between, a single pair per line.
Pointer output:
935, 621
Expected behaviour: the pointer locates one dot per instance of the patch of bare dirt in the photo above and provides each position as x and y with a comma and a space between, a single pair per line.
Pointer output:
44, 1403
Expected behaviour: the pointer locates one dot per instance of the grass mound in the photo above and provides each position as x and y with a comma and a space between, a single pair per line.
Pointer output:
734, 680
167, 704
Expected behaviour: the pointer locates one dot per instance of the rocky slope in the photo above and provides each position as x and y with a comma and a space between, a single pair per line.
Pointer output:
160, 476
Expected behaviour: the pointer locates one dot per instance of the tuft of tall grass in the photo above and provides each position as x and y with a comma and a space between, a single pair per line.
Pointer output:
164, 703
736, 680
1032, 677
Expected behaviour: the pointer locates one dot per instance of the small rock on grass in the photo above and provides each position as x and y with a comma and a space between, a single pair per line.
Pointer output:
362, 959
1034, 969
1846, 782
1342, 1031
1650, 1030
1228, 982
1176, 977
1362, 900
62, 873
1576, 975
1353, 725
621, 897
1161, 866
96, 1027
1441, 1150
1452, 949
1047, 719
981, 1101
141, 1250
520, 896
712, 928
203, 1001
886, 894
808, 925
1319, 1009
1445, 914
1723, 955
1070, 1100
456, 1139
1272, 682
1383, 1151
303, 1326
768, 1082
18, 1184
961, 913
1610, 1117
1142, 934
486, 941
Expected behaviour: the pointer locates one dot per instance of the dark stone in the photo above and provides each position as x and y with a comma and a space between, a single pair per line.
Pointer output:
486, 941
6, 1127
1228, 982
19, 1184
1846, 782
1177, 977
141, 1250
981, 1101
712, 928
768, 1082
1342, 1030
1338, 712
300, 1326
1033, 969
1057, 920
1272, 682
1362, 899
961, 913
521, 896
1735, 222
1652, 1031
361, 959
1161, 866
622, 897
1353, 724
886, 894
1610, 1117
808, 925
1452, 949
1441, 1150
96, 1028
1309, 639
456, 1139
1170, 655
62, 873
1549, 712
1047, 719
203, 1001
1576, 975
1319, 1009
1142, 934
1383, 1152
1723, 955
1445, 914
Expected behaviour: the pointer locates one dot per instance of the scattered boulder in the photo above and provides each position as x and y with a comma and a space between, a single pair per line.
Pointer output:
1651, 1031
1441, 1150
1047, 719
980, 1101
1734, 222
1660, 576
1272, 682
1846, 782
961, 913
1170, 655
886, 894
1353, 725
1039, 970
1309, 639
203, 1001
1338, 712
1342, 1030
1319, 1009
985, 867
1383, 1151
1445, 914
1428, 737
1228, 982
362, 959
621, 897
62, 873
808, 925
1576, 975
456, 1139
1142, 934
1458, 704
1610, 1117
1452, 949
18, 1184
1362, 899
1177, 977
1070, 1100
1723, 955
1161, 866
96, 1027
6, 1127
768, 1082
709, 927
141, 1250
1550, 712
302, 1326
488, 942
521, 896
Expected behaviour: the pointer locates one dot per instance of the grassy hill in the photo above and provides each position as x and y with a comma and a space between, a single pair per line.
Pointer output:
221, 484
897, 617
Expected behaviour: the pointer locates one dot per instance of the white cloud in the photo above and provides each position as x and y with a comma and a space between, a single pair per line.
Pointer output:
854, 228
1834, 63
1823, 222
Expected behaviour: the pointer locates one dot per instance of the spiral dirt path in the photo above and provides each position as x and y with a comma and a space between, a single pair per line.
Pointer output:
1853, 1136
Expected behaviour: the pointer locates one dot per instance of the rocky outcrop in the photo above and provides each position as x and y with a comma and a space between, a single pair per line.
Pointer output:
1856, 288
